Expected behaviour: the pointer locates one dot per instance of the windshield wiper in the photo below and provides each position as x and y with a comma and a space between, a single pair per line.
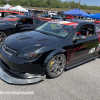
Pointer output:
47, 34
44, 33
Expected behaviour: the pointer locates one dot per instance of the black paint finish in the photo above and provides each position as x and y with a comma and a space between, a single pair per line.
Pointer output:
75, 50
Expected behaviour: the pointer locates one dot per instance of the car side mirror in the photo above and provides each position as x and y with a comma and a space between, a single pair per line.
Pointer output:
79, 37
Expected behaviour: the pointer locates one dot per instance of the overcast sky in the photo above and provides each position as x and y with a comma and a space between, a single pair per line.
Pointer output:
87, 2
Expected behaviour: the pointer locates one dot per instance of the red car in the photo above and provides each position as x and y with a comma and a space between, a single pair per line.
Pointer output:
97, 22
69, 17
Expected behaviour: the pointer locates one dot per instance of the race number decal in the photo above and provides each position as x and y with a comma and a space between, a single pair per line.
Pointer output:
98, 47
92, 50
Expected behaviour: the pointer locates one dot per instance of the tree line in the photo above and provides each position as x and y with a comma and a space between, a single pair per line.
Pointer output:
49, 4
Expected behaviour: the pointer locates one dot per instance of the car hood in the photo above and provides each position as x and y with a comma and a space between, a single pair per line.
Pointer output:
31, 39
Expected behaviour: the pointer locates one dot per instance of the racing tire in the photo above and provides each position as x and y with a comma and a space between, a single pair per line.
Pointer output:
2, 37
56, 66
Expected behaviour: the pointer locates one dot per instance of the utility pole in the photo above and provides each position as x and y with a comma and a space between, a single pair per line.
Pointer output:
79, 4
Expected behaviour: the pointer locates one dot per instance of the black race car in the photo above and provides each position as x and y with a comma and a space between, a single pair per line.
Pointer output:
17, 23
56, 45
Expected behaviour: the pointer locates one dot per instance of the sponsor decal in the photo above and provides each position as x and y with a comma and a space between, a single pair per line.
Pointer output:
92, 50
99, 38
66, 23
60, 26
71, 52
98, 47
63, 22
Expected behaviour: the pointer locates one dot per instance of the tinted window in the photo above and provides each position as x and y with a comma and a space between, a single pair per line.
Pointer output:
86, 30
37, 21
97, 29
26, 21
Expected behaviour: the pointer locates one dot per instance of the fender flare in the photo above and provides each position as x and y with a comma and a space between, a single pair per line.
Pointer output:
52, 54
3, 31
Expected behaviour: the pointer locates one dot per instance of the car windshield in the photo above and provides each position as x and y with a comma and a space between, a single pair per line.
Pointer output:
58, 28
9, 19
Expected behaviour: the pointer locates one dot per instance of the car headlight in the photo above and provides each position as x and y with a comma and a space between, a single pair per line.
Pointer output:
29, 55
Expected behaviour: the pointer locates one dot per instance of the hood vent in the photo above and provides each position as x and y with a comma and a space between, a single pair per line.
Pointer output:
23, 37
43, 40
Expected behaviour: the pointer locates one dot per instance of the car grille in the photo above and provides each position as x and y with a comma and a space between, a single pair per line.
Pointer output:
6, 66
10, 70
8, 50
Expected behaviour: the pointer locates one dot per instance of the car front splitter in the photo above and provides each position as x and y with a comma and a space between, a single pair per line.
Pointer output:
13, 80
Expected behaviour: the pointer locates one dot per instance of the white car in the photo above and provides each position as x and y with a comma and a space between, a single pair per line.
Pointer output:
89, 19
51, 13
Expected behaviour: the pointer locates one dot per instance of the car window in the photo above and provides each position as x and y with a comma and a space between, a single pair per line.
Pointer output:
97, 30
86, 30
37, 21
26, 21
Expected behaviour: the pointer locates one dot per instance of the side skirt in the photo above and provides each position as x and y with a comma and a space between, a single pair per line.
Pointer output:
72, 65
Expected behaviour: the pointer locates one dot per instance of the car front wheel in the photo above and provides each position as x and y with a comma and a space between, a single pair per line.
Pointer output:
2, 37
56, 65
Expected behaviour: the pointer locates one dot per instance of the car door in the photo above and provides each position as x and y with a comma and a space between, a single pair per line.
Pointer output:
25, 24
84, 48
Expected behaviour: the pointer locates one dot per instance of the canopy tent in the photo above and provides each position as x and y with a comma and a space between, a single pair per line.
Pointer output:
89, 15
10, 8
75, 12
6, 6
95, 16
1, 8
14, 8
19, 8
24, 10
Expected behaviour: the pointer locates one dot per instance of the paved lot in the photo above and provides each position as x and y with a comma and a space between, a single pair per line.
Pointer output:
81, 83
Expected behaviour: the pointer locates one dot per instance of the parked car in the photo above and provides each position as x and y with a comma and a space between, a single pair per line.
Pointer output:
4, 13
69, 17
51, 13
44, 19
97, 22
37, 12
17, 23
89, 19
49, 50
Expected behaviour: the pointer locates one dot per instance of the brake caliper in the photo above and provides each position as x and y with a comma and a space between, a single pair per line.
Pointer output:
51, 64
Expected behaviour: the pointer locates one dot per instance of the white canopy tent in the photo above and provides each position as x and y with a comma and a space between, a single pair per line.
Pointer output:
13, 9
19, 8
10, 8
6, 6
1, 8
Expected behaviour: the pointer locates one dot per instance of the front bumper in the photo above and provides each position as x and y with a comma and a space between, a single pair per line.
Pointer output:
7, 77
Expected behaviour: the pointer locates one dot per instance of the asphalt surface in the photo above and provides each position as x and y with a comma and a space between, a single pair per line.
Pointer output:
80, 83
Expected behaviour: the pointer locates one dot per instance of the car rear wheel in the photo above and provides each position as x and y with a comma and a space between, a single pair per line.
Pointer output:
56, 66
2, 37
